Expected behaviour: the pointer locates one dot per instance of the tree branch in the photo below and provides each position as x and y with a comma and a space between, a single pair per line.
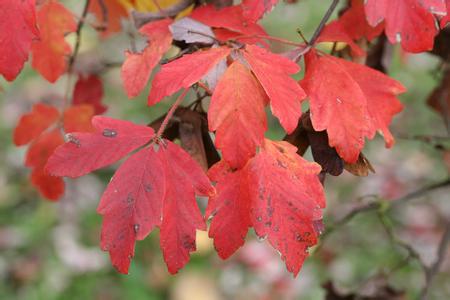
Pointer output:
323, 22
434, 269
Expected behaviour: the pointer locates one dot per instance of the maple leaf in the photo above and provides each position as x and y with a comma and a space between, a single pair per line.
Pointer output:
230, 208
41, 148
184, 72
237, 113
50, 52
154, 187
86, 152
137, 68
285, 94
18, 30
350, 101
253, 10
278, 193
89, 90
407, 22
31, 125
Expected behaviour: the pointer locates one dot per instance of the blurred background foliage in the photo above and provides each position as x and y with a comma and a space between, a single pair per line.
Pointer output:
51, 250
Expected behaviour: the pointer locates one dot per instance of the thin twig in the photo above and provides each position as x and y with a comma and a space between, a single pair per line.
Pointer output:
74, 55
375, 205
395, 240
170, 113
318, 30
434, 269
80, 25
267, 37
323, 22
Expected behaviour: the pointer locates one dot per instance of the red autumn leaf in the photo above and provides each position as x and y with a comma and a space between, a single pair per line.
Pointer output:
287, 197
237, 113
50, 52
285, 94
132, 206
31, 125
231, 18
407, 22
154, 187
110, 18
137, 68
184, 72
50, 187
255, 9
86, 152
181, 216
230, 209
278, 193
78, 118
41, 148
38, 153
89, 90
356, 15
350, 101
18, 30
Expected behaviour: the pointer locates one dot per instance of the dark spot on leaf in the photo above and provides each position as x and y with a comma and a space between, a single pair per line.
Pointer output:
109, 133
136, 228
148, 187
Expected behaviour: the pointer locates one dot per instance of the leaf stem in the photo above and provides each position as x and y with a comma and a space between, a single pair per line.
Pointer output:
170, 113
267, 37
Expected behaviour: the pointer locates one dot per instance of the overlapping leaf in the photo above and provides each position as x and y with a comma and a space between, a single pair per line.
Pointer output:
184, 72
51, 51
18, 30
408, 22
41, 129
350, 101
137, 68
89, 90
273, 72
237, 113
154, 187
278, 193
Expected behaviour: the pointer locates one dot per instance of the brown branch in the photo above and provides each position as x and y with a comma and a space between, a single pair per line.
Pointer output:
323, 22
318, 30
432, 271
377, 204
80, 25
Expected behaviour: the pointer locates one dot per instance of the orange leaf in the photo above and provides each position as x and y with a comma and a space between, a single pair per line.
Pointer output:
50, 52
31, 125
78, 118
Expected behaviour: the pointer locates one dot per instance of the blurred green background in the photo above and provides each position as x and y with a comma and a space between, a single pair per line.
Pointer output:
51, 250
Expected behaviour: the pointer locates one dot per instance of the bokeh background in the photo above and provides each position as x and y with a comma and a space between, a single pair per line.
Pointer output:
51, 250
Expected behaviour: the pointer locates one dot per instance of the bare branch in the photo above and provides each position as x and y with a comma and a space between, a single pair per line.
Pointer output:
434, 269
